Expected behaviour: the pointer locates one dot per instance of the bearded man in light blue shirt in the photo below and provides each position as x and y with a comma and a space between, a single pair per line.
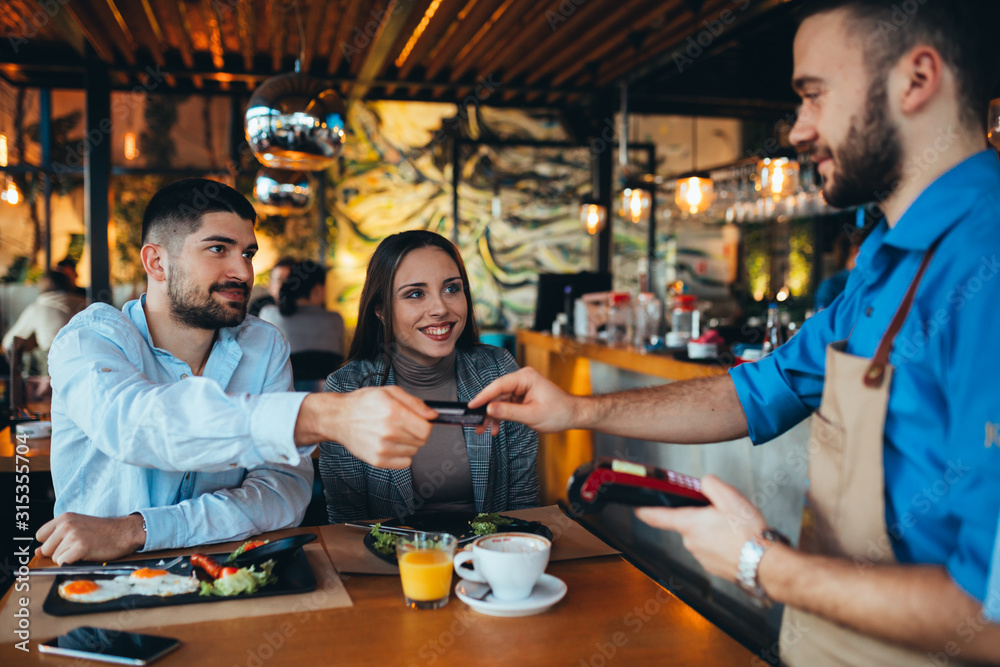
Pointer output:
173, 423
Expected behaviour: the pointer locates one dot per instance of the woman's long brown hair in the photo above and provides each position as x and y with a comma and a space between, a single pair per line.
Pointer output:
373, 336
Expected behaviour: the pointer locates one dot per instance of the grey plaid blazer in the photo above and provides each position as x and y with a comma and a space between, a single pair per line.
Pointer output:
504, 469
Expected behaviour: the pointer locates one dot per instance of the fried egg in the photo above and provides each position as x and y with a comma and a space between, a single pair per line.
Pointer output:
144, 581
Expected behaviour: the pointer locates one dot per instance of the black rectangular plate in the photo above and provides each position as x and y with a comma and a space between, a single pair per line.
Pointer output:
295, 575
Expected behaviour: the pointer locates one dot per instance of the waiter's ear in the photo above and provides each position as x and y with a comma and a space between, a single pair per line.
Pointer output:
154, 261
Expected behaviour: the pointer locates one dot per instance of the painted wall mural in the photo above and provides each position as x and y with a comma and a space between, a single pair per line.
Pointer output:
518, 206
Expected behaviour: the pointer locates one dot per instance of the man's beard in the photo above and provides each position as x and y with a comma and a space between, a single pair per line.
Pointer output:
207, 314
869, 162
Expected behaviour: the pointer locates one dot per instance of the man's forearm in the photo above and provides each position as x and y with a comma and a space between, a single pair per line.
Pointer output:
688, 412
914, 605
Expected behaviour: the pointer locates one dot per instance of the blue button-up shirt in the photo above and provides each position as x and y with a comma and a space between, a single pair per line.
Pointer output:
942, 472
203, 459
991, 605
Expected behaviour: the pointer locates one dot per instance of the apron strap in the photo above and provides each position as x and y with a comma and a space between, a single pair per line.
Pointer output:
875, 374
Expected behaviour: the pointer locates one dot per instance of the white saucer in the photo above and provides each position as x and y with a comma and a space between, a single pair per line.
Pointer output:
547, 591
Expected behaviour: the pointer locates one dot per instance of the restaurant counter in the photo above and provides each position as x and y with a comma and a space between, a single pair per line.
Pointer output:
772, 476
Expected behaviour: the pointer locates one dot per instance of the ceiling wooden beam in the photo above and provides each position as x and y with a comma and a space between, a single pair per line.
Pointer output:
213, 22
278, 27
528, 33
126, 33
313, 27
463, 32
66, 26
245, 29
616, 44
755, 19
513, 11
598, 16
348, 14
381, 51
671, 38
92, 31
595, 41
445, 15
176, 24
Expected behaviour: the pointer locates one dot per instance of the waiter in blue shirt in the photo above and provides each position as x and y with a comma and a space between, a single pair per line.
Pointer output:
900, 372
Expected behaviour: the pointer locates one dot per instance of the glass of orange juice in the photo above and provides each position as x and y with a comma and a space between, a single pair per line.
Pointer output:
425, 567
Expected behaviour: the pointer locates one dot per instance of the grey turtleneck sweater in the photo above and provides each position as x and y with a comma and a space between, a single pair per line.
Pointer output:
442, 480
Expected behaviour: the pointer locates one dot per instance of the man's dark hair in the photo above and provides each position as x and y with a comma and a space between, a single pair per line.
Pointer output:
287, 262
961, 31
67, 263
176, 210
54, 281
302, 279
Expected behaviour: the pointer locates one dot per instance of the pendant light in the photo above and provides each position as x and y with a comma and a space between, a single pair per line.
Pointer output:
296, 121
636, 195
283, 192
695, 192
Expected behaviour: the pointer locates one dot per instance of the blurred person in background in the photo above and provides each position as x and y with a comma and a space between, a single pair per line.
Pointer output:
278, 274
845, 251
67, 266
39, 323
301, 314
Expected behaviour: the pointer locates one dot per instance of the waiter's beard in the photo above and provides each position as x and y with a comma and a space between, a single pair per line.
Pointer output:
868, 164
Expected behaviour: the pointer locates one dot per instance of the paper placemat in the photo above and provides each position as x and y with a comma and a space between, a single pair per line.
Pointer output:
570, 540
329, 594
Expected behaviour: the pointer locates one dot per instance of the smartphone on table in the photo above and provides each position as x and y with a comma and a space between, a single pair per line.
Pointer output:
114, 646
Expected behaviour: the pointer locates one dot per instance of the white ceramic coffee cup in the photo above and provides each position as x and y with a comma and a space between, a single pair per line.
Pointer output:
510, 563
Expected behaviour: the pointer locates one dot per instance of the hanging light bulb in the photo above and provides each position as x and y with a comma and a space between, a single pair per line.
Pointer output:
593, 217
777, 178
131, 150
635, 204
694, 194
3, 150
283, 192
11, 195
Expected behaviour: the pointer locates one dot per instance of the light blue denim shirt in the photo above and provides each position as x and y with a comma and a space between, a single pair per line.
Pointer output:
203, 459
940, 451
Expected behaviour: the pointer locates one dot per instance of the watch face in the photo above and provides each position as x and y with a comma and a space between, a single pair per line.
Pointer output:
750, 555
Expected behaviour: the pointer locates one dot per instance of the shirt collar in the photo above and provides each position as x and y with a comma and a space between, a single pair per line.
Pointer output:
945, 201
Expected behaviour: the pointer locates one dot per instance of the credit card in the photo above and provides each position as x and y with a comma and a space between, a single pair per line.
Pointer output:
456, 412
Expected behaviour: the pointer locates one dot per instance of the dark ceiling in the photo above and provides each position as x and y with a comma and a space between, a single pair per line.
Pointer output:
710, 57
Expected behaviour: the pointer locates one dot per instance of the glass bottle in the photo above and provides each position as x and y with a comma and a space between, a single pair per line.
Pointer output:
774, 334
619, 319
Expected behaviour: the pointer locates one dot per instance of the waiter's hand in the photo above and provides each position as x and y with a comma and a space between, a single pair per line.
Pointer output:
714, 535
71, 537
382, 426
526, 397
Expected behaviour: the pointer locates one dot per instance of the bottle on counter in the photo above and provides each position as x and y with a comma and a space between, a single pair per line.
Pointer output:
684, 321
619, 325
648, 314
774, 333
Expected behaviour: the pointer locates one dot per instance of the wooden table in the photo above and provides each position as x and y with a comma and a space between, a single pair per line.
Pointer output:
612, 614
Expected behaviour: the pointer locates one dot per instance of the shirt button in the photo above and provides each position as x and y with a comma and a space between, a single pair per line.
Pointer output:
184, 376
284, 458
105, 370
868, 311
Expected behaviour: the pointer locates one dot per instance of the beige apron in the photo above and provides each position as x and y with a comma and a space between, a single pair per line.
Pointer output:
845, 513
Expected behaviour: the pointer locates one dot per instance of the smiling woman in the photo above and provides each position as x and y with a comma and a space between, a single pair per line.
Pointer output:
416, 329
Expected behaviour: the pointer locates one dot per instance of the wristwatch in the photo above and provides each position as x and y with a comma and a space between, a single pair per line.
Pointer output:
750, 555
